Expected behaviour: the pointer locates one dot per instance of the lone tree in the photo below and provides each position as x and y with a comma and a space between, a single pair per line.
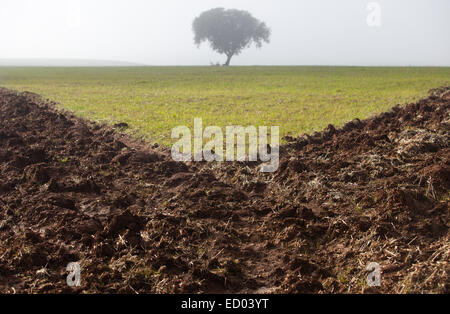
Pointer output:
229, 31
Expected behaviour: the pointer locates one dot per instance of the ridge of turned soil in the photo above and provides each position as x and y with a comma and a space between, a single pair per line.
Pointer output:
372, 191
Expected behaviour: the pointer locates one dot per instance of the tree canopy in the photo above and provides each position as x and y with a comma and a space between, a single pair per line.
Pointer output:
230, 31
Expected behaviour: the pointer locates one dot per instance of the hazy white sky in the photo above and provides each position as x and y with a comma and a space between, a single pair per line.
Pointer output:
158, 32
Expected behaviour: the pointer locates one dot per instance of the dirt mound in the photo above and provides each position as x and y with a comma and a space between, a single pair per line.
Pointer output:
75, 191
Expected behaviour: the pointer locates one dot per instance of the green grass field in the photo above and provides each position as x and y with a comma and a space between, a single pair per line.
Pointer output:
153, 100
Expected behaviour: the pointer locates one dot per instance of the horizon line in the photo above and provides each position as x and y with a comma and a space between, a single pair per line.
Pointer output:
119, 63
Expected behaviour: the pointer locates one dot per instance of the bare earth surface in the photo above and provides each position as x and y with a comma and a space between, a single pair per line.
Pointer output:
374, 191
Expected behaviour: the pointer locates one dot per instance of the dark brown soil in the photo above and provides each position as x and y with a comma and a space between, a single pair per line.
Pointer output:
373, 191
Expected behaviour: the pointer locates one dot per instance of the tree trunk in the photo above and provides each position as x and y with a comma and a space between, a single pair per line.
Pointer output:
228, 60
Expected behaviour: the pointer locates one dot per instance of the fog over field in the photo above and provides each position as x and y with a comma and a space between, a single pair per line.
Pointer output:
135, 160
324, 32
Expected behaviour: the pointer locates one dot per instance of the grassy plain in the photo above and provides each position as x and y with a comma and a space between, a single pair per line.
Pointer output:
153, 100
